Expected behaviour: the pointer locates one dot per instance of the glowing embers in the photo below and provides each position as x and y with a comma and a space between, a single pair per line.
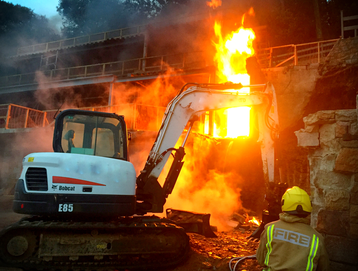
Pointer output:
255, 221
228, 123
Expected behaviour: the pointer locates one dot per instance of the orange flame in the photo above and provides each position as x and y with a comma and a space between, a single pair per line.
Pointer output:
231, 54
214, 3
254, 221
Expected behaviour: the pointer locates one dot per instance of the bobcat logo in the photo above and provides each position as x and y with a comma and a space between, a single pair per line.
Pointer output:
54, 187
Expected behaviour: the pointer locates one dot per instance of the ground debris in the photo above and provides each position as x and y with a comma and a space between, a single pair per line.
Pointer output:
216, 253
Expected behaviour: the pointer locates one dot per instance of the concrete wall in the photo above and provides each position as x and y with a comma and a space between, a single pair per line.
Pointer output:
331, 138
294, 87
344, 54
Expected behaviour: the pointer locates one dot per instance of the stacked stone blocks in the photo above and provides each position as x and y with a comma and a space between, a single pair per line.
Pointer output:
331, 138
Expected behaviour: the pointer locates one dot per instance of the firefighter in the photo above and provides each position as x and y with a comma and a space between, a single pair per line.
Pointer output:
290, 243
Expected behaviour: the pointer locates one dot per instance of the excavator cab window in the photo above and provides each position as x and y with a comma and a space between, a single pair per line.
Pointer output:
90, 133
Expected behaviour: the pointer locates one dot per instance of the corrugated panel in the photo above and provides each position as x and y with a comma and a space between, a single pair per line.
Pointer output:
122, 33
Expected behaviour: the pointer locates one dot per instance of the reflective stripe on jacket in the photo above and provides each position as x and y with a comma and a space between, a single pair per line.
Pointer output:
291, 244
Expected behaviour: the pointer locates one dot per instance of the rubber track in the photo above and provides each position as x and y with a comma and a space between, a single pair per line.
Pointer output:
146, 224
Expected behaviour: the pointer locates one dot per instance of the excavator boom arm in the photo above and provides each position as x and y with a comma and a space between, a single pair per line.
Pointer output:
186, 107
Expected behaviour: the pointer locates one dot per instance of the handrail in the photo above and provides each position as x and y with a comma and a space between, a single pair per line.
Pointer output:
138, 116
351, 27
300, 54
119, 68
14, 116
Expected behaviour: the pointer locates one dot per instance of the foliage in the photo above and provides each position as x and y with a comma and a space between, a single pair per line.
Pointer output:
153, 8
331, 18
83, 17
290, 21
287, 21
20, 26
294, 21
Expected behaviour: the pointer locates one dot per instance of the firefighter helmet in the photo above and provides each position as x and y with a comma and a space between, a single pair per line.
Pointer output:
296, 201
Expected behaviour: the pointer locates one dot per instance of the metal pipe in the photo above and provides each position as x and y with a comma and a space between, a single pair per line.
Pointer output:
110, 95
8, 117
144, 51
342, 25
187, 134
44, 119
26, 118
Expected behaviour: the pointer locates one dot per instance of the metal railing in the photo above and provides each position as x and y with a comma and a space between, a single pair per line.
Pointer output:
14, 116
119, 68
66, 43
344, 28
300, 54
137, 116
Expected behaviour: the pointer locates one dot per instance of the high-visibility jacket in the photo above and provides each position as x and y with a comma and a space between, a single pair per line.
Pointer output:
291, 244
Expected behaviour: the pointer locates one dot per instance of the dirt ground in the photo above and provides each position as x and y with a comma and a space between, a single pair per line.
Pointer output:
206, 253
216, 253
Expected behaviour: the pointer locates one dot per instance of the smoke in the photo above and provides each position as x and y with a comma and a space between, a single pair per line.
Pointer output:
156, 93
208, 183
216, 196
45, 91
21, 27
205, 185
55, 23
48, 93
15, 147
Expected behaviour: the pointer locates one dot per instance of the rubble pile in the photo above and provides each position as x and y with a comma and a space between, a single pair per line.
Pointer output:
216, 253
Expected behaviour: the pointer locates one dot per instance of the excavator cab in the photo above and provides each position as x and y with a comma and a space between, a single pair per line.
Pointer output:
90, 133
88, 174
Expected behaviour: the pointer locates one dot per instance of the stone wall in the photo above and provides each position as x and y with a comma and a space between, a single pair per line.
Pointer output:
343, 54
331, 138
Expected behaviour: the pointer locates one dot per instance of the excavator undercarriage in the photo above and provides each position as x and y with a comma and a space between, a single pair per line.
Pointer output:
135, 243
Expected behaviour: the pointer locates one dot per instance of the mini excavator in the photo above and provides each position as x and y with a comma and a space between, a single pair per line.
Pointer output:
89, 211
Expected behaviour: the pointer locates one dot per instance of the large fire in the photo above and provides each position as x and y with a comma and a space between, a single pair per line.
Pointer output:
231, 54
200, 187
207, 183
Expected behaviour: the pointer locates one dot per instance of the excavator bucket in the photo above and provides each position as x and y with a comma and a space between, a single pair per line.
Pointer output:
192, 222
